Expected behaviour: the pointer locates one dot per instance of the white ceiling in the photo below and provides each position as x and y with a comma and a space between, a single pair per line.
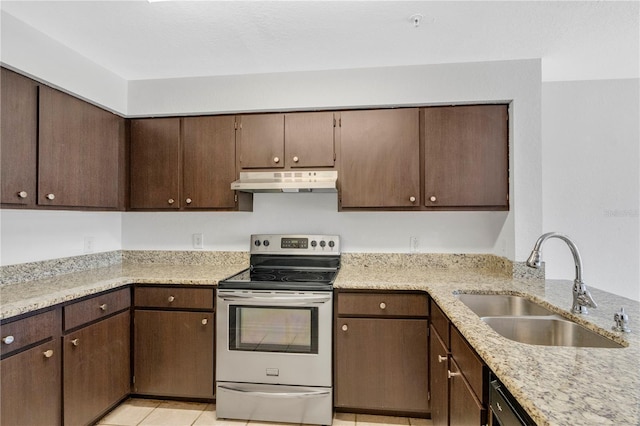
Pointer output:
142, 40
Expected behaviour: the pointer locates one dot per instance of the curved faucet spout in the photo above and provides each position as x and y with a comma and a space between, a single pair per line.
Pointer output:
581, 296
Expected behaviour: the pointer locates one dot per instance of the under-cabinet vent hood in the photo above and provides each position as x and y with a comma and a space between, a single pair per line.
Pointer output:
287, 181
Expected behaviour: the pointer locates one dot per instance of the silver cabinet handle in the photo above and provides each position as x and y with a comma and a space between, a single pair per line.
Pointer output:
205, 321
276, 160
296, 159
22, 194
171, 201
450, 374
383, 305
345, 327
51, 197
442, 358
8, 340
103, 307
412, 199
171, 299
48, 354
433, 198
188, 200
75, 342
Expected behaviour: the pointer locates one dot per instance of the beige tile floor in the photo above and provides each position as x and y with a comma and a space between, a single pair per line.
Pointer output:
150, 412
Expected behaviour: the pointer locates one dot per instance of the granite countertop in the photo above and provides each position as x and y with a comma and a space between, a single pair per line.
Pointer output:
556, 385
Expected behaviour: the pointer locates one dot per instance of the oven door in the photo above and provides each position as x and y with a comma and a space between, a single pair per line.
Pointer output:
274, 337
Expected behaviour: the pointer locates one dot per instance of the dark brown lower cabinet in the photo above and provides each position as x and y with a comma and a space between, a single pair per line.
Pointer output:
30, 387
438, 365
381, 365
97, 370
173, 353
465, 408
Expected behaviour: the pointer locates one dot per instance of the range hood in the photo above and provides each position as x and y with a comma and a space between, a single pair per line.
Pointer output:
287, 181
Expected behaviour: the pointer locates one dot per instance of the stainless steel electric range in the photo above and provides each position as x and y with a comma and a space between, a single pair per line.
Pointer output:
274, 327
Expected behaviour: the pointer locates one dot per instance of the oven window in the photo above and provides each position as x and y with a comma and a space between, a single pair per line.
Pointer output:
273, 329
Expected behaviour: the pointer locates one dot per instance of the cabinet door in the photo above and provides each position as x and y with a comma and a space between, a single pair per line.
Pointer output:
209, 156
261, 141
174, 353
19, 129
97, 371
439, 384
155, 163
465, 409
380, 158
466, 156
30, 387
309, 139
80, 148
381, 364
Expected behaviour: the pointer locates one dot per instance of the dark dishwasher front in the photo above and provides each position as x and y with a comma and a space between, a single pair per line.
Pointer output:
505, 410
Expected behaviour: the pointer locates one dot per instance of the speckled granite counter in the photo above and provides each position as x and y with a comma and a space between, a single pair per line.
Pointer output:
556, 385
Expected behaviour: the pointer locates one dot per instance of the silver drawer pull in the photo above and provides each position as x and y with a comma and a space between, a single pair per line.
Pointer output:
345, 327
442, 358
205, 321
8, 340
75, 342
450, 374
171, 299
383, 305
48, 354
103, 307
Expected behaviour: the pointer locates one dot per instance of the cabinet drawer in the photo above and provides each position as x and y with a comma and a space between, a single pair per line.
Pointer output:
383, 304
440, 322
97, 307
470, 365
174, 297
26, 331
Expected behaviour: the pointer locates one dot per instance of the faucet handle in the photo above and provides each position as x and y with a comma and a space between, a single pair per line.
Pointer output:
622, 321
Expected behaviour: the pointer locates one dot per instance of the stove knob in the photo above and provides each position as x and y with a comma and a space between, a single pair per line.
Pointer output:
314, 243
265, 243
322, 244
332, 244
257, 243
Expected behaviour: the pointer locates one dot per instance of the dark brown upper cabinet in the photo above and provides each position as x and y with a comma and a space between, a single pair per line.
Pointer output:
155, 163
19, 129
286, 141
208, 162
380, 158
261, 141
80, 153
309, 139
466, 159
183, 163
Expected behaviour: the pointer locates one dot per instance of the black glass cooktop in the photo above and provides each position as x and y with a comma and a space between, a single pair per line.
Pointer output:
273, 278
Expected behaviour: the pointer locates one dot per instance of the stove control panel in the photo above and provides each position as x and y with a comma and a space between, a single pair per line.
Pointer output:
295, 244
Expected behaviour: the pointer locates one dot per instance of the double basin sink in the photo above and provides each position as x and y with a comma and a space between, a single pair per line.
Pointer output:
520, 319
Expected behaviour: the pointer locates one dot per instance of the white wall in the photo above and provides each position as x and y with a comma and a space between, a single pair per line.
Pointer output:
515, 81
32, 235
591, 180
30, 52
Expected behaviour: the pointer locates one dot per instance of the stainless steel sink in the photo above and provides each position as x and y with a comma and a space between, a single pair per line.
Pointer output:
520, 319
485, 305
548, 331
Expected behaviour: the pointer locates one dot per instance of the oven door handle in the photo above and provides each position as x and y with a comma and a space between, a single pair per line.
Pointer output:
276, 394
277, 300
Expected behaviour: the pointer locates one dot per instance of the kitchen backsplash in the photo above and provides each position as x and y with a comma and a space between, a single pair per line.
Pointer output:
48, 268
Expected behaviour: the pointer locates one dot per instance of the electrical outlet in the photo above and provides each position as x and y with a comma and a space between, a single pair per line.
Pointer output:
198, 241
89, 244
413, 244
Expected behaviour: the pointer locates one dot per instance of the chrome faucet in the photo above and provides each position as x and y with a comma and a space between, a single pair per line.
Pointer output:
581, 296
